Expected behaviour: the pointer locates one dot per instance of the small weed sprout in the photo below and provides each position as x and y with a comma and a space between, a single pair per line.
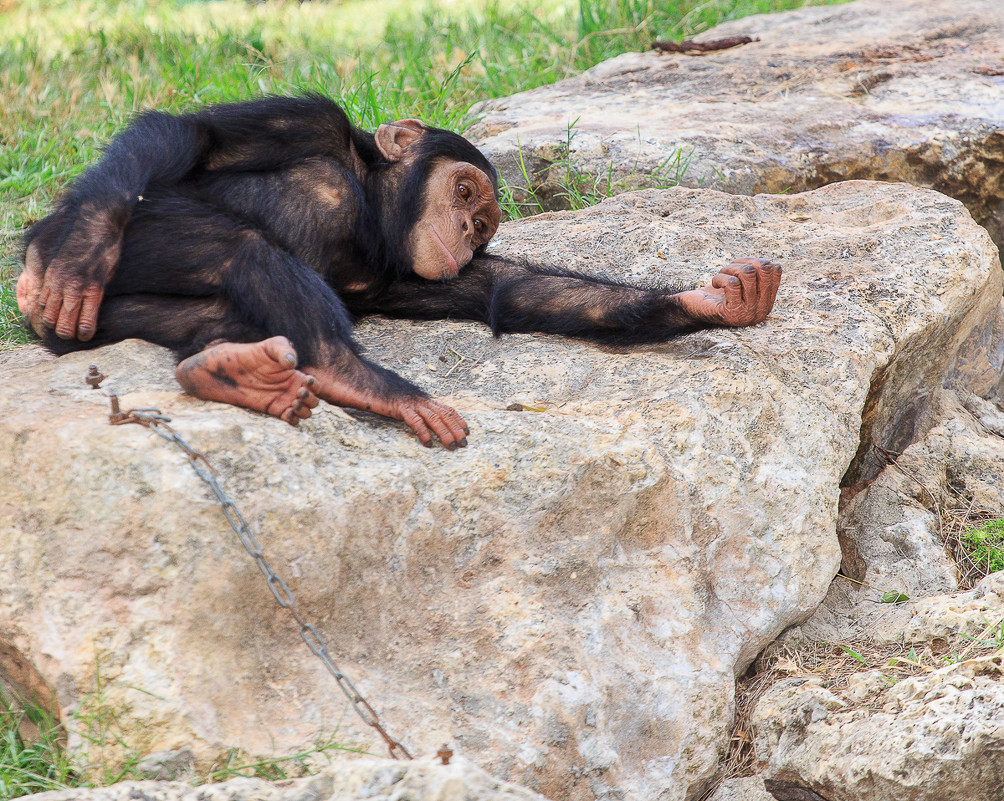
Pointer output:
301, 763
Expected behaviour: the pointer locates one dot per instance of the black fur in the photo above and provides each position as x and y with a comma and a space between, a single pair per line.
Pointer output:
249, 220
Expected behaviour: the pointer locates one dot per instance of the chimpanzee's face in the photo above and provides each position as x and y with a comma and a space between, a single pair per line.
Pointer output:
460, 214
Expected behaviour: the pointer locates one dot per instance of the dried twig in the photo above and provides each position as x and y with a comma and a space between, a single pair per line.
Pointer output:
689, 47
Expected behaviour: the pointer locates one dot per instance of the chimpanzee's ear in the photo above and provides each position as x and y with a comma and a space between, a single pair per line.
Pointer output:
393, 138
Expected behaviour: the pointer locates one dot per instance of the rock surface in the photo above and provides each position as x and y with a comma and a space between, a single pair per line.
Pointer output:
891, 532
568, 600
749, 788
927, 738
934, 736
350, 780
893, 90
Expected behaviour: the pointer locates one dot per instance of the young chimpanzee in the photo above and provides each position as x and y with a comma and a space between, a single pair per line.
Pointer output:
246, 236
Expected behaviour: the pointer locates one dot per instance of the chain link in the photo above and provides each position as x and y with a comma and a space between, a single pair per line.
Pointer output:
158, 423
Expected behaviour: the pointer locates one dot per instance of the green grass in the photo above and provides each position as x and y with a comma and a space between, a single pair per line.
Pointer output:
34, 757
985, 545
73, 73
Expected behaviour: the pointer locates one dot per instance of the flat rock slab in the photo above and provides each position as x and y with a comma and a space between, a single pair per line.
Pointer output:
893, 90
568, 600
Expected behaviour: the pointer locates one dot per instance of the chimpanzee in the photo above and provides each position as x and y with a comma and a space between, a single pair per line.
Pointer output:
247, 236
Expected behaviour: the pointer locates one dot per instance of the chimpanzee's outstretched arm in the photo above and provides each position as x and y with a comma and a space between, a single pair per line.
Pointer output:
72, 254
513, 297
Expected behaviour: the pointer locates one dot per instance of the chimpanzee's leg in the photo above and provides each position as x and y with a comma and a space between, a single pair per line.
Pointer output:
201, 281
260, 374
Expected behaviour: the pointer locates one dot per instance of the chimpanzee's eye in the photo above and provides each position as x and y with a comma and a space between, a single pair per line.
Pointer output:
463, 191
478, 225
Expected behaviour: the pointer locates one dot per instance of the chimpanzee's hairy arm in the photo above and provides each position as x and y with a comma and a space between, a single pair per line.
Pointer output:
72, 254
514, 297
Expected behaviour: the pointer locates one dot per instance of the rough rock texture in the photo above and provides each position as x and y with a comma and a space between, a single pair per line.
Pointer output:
749, 788
568, 600
891, 531
894, 90
927, 738
968, 613
350, 780
932, 737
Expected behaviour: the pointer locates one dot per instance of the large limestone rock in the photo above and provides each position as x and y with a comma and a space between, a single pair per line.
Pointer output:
568, 600
894, 90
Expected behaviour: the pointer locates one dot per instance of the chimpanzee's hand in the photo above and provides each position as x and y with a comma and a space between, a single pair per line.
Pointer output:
741, 294
64, 278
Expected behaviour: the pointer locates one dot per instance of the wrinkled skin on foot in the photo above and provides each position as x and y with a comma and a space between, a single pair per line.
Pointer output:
261, 376
428, 418
741, 294
63, 290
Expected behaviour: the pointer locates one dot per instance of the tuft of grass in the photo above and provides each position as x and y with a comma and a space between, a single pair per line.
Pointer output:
301, 763
567, 186
32, 758
973, 537
985, 544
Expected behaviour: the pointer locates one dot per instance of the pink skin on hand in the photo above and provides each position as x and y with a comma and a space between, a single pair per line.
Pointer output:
741, 294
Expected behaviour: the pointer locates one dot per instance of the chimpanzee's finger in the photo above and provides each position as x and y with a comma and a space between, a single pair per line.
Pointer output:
733, 290
772, 274
69, 313
281, 351
458, 428
306, 397
417, 424
430, 414
88, 322
746, 272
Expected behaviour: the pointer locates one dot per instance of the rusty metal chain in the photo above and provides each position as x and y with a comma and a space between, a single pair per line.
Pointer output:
158, 423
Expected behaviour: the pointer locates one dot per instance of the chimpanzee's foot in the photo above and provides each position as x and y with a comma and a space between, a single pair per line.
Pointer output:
426, 417
258, 375
742, 293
